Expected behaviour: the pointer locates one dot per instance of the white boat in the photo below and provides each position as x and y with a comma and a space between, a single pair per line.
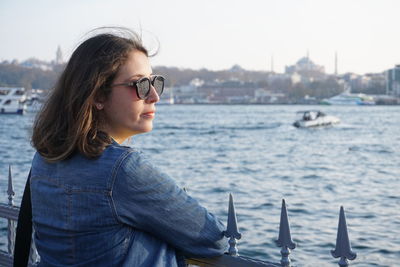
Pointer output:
12, 100
35, 100
315, 118
347, 98
167, 100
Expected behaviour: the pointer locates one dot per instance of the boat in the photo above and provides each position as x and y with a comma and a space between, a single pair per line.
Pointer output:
12, 100
167, 99
35, 100
347, 98
315, 118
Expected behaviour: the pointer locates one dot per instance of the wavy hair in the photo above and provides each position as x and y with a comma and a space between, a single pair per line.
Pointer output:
69, 120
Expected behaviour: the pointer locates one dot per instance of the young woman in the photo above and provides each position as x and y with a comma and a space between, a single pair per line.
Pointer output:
94, 201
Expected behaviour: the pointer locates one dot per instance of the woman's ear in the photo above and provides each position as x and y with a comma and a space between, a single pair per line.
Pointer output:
99, 101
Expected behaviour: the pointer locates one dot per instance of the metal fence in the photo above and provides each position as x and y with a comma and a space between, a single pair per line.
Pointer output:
232, 259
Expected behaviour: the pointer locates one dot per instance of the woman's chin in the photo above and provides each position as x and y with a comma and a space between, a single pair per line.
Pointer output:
144, 129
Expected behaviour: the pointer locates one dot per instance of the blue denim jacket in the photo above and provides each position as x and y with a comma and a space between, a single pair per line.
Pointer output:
116, 210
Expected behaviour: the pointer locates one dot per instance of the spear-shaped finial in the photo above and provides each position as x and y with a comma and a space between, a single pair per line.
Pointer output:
343, 247
232, 231
285, 239
10, 190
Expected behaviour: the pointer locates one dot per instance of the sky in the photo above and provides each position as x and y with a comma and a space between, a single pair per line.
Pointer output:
215, 34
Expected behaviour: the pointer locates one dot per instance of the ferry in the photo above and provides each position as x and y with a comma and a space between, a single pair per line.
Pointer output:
347, 98
12, 100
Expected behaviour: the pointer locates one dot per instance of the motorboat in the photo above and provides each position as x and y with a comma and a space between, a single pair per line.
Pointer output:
12, 100
315, 118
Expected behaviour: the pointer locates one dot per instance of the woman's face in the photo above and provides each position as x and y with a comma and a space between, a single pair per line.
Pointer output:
126, 114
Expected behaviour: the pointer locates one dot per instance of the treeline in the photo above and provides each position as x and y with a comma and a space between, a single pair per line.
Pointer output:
17, 75
179, 77
319, 89
325, 87
14, 75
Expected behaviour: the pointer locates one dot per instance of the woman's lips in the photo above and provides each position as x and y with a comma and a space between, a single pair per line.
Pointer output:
149, 114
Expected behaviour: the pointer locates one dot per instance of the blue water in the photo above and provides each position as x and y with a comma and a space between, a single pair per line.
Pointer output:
255, 153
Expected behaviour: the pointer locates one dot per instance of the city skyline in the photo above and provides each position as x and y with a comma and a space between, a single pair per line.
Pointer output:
59, 59
216, 35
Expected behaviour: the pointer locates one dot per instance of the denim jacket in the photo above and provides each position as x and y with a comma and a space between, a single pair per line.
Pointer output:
116, 210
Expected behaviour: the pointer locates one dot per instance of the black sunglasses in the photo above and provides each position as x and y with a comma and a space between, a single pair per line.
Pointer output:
143, 85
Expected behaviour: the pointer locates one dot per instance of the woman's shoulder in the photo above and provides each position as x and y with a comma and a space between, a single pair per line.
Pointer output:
129, 161
122, 153
79, 170
133, 163
112, 157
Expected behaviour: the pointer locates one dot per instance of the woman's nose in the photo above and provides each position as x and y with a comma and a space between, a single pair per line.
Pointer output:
153, 96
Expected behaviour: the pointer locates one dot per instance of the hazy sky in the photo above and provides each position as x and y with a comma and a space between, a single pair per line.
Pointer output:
216, 34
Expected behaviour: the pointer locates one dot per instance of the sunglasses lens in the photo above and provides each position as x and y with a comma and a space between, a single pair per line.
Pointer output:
158, 84
143, 88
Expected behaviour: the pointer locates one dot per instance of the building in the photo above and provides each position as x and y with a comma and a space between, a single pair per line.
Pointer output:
393, 81
307, 69
263, 96
304, 64
274, 77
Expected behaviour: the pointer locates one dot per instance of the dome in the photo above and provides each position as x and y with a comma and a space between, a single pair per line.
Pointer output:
304, 61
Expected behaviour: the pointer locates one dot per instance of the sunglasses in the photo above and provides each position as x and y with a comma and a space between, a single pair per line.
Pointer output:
143, 85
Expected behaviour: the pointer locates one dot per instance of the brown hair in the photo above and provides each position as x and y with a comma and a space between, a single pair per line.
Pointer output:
69, 120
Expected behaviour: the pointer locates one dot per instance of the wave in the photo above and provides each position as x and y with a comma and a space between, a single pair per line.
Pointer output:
371, 148
213, 130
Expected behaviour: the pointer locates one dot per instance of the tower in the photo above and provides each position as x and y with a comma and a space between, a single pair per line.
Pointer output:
59, 59
336, 61
272, 63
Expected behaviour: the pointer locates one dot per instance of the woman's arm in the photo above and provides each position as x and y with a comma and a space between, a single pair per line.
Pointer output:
149, 200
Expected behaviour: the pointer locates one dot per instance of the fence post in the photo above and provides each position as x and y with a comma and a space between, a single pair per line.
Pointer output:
343, 247
11, 223
232, 231
285, 239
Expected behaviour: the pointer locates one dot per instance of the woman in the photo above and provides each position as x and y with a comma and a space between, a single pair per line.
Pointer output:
94, 201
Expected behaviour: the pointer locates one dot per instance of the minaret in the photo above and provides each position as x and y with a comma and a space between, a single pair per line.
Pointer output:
336, 71
59, 59
272, 63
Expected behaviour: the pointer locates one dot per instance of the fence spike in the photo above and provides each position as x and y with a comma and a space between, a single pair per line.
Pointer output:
343, 247
232, 231
285, 239
10, 190
11, 223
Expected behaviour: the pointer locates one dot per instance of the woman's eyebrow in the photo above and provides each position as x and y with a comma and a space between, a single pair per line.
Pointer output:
139, 76
135, 76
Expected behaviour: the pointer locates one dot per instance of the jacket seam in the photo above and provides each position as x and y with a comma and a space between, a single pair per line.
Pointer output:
69, 212
116, 168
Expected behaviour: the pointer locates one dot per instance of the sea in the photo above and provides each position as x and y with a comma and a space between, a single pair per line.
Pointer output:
254, 152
